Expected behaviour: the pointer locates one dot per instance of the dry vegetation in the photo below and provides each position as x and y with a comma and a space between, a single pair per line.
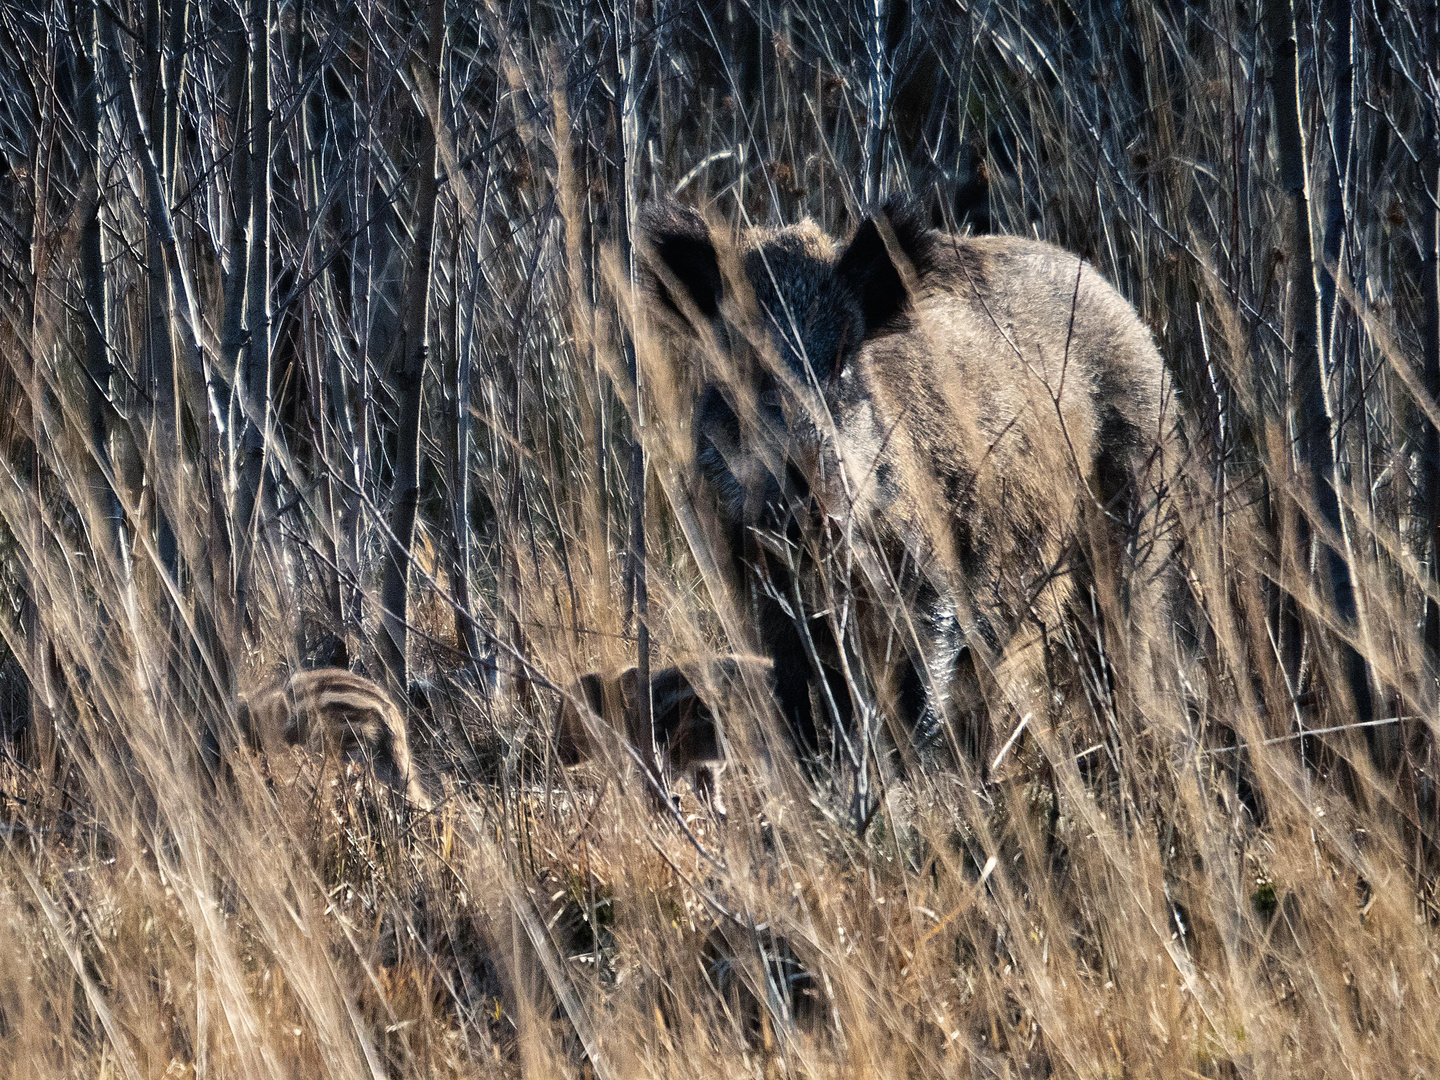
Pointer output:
292, 290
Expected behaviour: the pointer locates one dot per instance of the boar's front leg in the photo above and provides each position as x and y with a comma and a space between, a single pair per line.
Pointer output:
938, 693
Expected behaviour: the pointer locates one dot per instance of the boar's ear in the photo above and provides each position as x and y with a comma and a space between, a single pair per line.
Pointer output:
682, 256
876, 271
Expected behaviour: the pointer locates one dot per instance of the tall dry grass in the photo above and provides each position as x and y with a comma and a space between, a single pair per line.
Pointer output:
1191, 862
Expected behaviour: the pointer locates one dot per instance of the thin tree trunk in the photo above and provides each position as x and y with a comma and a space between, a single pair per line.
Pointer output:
233, 264
357, 392
254, 382
627, 61
221, 452
1430, 334
407, 377
179, 15
160, 374
1337, 178
1309, 401
325, 372
469, 314
96, 321
457, 448
878, 101
41, 748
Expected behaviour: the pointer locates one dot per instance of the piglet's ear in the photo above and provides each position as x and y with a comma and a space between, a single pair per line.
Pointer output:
881, 274
683, 267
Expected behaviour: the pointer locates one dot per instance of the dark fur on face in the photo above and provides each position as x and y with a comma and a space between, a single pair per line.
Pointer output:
816, 309
818, 306
957, 400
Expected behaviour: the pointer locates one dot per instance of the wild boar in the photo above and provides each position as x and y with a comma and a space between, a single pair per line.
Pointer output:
347, 714
687, 735
947, 409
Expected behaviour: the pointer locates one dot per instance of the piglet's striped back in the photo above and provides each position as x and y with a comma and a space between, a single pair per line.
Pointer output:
346, 713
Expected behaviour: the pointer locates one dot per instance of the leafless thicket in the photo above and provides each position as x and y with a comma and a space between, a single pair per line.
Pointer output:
318, 323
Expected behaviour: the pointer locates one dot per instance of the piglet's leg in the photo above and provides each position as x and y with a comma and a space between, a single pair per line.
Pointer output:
707, 788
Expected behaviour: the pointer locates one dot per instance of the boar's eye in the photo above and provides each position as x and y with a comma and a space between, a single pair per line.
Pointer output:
771, 398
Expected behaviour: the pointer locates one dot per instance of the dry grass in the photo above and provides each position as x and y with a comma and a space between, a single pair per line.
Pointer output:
1161, 877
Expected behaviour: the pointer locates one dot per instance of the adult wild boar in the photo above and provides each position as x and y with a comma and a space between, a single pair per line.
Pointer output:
926, 419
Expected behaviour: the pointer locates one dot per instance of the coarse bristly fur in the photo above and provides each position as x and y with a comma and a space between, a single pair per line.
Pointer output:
687, 732
959, 404
346, 713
